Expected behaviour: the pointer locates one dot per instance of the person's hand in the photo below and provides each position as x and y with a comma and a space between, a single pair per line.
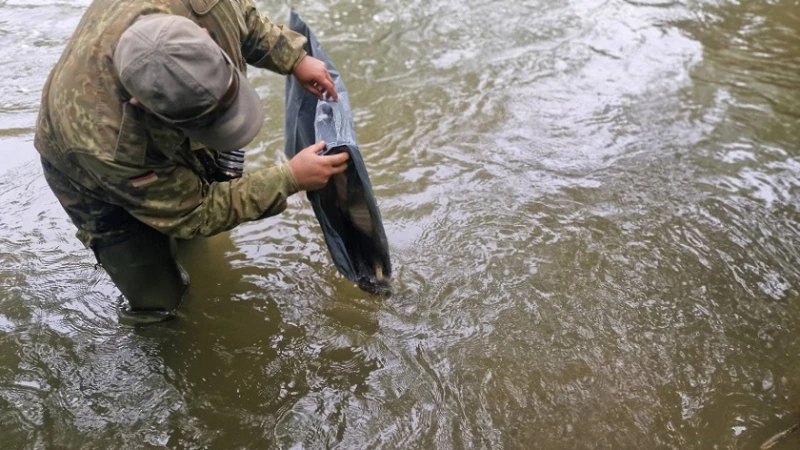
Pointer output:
312, 171
314, 77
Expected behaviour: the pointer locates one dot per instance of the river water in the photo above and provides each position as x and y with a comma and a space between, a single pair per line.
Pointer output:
593, 211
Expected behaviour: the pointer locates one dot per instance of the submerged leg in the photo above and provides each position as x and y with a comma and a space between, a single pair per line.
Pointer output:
144, 269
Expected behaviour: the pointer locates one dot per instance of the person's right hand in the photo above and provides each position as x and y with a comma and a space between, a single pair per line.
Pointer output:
312, 171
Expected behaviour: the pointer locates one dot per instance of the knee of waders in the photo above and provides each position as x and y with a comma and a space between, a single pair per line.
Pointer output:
145, 271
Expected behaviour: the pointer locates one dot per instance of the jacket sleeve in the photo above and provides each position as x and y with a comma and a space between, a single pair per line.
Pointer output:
268, 45
175, 201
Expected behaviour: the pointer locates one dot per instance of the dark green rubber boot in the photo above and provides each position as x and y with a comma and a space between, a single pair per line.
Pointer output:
145, 271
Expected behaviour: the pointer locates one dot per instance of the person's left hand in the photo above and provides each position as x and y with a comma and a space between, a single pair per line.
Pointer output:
314, 77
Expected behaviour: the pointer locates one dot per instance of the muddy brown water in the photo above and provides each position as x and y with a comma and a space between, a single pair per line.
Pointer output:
593, 213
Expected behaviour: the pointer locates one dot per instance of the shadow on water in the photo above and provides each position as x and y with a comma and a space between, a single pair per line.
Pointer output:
246, 376
228, 373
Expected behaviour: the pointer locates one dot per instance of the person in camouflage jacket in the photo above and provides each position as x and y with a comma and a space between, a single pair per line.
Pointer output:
134, 116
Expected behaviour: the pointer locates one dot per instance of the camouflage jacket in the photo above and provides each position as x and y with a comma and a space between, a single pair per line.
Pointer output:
114, 167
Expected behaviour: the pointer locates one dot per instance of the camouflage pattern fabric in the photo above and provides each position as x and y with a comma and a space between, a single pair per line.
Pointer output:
114, 167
